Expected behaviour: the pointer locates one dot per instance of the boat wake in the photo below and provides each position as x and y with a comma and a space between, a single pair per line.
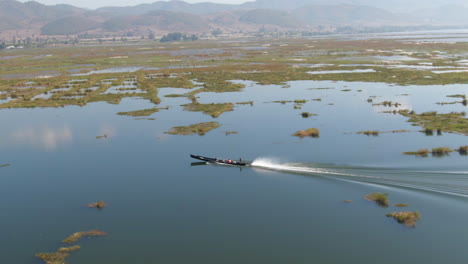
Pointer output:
445, 182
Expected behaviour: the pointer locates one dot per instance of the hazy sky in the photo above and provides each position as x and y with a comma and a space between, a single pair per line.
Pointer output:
100, 3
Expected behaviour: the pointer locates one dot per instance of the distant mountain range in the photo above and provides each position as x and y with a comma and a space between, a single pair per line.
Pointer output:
180, 16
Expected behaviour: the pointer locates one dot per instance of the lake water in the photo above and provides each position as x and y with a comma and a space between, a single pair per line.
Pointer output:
287, 208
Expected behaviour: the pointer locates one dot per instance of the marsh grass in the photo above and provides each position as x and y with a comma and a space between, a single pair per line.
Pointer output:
98, 205
406, 218
369, 133
251, 103
200, 129
420, 152
463, 150
79, 235
144, 112
441, 151
307, 114
311, 132
57, 257
454, 122
380, 198
214, 110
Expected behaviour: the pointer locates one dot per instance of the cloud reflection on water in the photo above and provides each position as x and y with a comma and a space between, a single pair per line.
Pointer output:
46, 138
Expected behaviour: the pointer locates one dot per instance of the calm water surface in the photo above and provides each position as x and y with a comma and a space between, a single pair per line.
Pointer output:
286, 209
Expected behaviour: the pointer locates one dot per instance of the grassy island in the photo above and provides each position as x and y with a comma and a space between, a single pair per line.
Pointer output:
57, 257
200, 129
311, 132
144, 112
214, 110
454, 122
79, 235
406, 218
98, 204
380, 198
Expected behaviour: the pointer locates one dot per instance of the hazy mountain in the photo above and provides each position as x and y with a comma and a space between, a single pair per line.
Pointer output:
16, 15
343, 14
180, 16
173, 5
271, 17
69, 26
391, 5
159, 19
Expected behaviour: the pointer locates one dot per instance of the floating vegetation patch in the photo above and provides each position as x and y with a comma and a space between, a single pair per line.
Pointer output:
438, 152
348, 201
463, 150
401, 205
453, 122
57, 257
214, 110
369, 133
376, 132
5, 165
387, 104
380, 198
101, 137
307, 114
251, 103
457, 96
144, 112
231, 133
325, 88
79, 235
200, 129
406, 218
298, 101
311, 132
98, 204
420, 152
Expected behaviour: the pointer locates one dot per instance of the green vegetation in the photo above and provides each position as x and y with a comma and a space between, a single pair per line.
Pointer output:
401, 205
421, 152
214, 110
438, 152
463, 150
442, 151
307, 114
251, 103
369, 133
453, 122
5, 165
457, 96
57, 257
380, 198
200, 129
171, 37
407, 218
144, 112
98, 204
79, 235
101, 137
311, 132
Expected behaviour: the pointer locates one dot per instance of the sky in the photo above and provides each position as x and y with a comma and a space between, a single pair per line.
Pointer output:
100, 3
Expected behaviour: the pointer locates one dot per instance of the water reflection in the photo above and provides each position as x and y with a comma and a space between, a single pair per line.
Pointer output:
107, 130
46, 138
